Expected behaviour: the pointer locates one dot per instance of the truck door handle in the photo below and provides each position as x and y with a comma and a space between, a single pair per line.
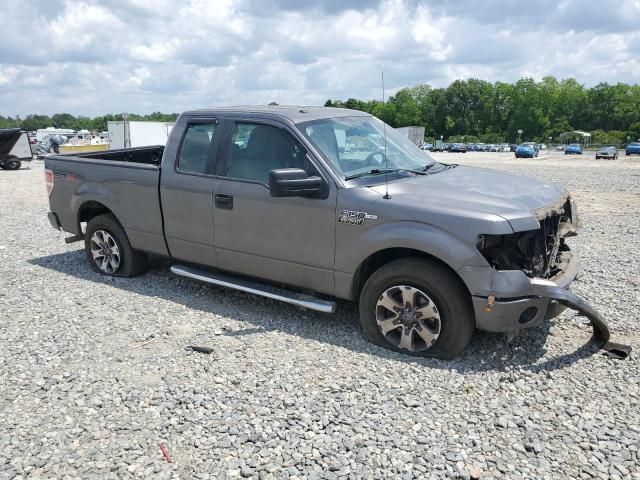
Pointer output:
224, 201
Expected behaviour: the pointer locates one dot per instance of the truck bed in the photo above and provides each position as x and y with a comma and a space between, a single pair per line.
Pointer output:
124, 182
149, 155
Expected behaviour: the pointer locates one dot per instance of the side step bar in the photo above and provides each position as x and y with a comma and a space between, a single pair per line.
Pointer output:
294, 298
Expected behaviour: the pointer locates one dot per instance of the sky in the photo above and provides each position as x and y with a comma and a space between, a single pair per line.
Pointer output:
139, 56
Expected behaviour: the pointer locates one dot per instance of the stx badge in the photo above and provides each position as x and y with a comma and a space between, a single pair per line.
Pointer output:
354, 218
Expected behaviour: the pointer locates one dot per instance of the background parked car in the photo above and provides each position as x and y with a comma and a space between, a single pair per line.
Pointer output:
512, 147
607, 152
458, 148
526, 150
573, 149
632, 149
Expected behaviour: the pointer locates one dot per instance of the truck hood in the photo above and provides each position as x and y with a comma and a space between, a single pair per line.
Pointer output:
512, 197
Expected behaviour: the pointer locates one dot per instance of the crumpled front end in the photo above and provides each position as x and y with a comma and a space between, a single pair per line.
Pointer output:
531, 274
521, 259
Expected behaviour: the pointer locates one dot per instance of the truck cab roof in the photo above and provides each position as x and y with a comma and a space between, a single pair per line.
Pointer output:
294, 113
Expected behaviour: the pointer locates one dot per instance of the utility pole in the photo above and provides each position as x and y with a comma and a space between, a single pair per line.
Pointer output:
127, 137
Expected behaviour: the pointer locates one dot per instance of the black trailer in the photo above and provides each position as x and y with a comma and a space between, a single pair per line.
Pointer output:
14, 148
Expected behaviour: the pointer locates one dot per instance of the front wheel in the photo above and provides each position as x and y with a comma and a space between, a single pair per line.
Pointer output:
109, 251
418, 307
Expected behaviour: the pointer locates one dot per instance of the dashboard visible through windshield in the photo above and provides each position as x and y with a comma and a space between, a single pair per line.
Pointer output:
361, 146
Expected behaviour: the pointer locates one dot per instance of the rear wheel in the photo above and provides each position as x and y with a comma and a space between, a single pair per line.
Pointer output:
418, 307
109, 251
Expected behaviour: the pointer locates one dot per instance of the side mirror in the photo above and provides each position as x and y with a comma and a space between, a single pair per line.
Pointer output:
295, 182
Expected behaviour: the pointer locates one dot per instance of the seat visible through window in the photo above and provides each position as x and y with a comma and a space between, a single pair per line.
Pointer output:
258, 149
194, 153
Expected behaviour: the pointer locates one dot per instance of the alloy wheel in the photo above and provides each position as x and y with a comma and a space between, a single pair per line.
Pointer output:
105, 251
408, 318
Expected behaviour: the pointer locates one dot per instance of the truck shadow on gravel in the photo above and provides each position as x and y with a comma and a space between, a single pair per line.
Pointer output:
486, 352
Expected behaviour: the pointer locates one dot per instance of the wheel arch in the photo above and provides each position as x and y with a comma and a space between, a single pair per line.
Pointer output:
382, 257
90, 209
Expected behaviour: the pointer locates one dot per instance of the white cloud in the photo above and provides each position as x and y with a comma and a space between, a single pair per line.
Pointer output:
92, 57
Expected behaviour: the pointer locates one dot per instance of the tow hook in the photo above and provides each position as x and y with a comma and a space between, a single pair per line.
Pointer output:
490, 302
601, 332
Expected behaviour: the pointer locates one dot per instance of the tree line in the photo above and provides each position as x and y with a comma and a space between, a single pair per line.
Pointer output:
467, 110
479, 111
66, 120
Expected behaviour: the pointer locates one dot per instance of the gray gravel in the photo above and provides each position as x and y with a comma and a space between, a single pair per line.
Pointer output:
94, 374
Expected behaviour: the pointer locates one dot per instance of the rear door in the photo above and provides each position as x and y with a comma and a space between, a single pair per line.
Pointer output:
186, 190
285, 239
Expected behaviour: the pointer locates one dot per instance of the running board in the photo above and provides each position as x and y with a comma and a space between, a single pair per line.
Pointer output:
294, 298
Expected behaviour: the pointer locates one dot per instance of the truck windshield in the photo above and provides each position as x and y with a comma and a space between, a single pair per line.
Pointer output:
356, 146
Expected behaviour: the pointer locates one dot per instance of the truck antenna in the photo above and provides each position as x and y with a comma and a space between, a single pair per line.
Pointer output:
386, 162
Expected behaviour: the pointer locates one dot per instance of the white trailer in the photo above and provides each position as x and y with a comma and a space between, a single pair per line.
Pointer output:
127, 134
415, 134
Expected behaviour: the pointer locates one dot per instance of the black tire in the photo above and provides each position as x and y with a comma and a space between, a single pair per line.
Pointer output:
628, 154
457, 319
130, 262
597, 157
12, 163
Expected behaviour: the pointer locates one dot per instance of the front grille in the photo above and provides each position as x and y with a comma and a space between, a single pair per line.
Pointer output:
538, 253
549, 227
552, 244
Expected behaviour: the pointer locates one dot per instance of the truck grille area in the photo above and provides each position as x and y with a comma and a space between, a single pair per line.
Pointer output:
536, 252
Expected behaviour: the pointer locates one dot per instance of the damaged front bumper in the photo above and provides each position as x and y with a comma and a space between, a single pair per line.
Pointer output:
514, 301
539, 300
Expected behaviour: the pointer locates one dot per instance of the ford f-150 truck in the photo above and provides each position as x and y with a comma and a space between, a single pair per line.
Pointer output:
308, 204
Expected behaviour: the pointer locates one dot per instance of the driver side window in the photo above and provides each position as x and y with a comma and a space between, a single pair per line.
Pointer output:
256, 149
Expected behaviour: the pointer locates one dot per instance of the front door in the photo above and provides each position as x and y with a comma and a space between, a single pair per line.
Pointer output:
284, 239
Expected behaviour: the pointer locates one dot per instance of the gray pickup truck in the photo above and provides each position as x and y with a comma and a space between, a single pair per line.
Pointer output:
305, 205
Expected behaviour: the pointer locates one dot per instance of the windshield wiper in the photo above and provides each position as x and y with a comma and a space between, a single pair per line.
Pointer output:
375, 171
378, 171
445, 166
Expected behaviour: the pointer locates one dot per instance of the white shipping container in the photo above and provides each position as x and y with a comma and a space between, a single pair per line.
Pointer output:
415, 134
138, 134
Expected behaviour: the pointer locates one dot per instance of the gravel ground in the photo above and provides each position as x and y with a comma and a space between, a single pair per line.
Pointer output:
94, 374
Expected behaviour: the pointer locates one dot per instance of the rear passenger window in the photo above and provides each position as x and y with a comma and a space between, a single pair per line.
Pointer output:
194, 154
